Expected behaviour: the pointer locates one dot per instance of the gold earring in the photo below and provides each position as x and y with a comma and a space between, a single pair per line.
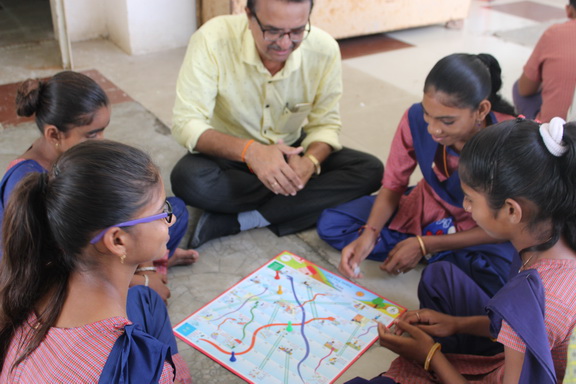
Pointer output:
57, 144
122, 258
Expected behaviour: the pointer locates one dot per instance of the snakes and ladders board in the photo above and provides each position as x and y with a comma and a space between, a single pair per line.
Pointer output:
289, 321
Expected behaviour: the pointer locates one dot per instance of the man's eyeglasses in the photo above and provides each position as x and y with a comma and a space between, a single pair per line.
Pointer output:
273, 34
166, 214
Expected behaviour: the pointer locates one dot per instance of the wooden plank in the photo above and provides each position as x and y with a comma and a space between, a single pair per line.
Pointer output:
213, 8
348, 18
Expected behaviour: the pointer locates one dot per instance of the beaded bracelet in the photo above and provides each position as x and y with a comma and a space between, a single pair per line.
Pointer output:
362, 228
431, 352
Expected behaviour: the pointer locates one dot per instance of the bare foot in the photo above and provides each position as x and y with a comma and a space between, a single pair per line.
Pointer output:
183, 257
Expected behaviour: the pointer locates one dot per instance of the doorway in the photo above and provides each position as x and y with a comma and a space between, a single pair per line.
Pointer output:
30, 23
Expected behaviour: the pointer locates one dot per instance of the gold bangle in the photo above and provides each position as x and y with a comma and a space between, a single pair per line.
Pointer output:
422, 246
314, 161
431, 352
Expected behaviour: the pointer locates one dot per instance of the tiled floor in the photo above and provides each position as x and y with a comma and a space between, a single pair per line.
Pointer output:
367, 45
530, 10
383, 75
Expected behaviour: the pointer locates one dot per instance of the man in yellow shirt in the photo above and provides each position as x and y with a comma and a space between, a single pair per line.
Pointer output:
257, 106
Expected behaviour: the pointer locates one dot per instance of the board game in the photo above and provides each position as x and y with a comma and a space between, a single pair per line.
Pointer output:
289, 321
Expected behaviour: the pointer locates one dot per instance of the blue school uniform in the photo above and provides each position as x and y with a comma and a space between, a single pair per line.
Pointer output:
139, 354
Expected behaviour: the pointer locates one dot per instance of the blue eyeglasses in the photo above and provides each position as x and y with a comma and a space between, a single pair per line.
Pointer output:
166, 214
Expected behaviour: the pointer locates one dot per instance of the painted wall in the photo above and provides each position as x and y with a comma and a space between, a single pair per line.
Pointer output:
160, 24
136, 26
118, 28
85, 19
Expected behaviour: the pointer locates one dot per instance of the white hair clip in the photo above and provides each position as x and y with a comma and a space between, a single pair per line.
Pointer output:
552, 135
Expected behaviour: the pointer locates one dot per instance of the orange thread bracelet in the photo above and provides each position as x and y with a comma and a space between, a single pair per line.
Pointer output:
249, 143
362, 228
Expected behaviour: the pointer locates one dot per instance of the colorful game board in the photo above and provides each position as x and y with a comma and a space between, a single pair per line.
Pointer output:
289, 321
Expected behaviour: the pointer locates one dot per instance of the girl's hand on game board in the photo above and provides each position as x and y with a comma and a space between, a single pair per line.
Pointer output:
432, 322
354, 253
415, 347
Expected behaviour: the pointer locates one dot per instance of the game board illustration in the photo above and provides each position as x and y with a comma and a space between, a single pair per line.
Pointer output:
289, 321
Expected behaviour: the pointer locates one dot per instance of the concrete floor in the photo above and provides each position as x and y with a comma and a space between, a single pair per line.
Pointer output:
378, 89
